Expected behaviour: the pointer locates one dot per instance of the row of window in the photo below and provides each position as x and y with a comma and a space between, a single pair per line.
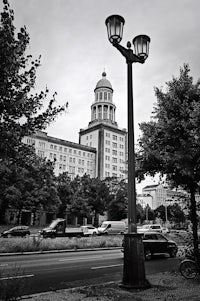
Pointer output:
80, 170
114, 160
108, 174
103, 96
114, 137
114, 144
70, 151
114, 152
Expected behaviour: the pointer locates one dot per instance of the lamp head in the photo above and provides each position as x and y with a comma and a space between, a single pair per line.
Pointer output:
114, 26
141, 46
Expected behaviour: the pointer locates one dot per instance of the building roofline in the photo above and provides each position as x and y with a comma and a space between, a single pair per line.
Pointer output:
44, 136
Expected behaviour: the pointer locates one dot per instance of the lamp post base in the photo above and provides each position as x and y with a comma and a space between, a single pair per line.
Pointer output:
134, 270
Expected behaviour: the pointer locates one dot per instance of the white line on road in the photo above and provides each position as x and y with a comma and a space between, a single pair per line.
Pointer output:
17, 277
80, 258
106, 266
3, 265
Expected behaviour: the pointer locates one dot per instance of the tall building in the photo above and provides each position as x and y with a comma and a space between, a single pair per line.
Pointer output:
101, 151
104, 134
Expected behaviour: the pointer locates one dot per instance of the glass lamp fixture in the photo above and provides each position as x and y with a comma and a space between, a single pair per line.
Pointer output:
141, 46
114, 26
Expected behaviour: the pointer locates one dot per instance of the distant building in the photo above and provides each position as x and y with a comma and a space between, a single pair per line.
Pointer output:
69, 157
104, 134
102, 148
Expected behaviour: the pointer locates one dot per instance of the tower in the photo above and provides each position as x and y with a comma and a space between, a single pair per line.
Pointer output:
104, 134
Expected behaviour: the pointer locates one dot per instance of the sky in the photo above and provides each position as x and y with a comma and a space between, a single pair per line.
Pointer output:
71, 37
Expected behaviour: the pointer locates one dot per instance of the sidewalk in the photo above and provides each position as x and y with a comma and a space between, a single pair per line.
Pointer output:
164, 287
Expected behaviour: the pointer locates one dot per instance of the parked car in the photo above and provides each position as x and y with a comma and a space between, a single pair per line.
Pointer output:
89, 230
150, 227
157, 243
16, 231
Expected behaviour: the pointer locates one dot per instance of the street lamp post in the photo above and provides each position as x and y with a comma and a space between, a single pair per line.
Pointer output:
134, 270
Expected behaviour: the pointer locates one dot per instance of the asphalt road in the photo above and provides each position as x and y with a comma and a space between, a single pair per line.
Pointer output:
44, 272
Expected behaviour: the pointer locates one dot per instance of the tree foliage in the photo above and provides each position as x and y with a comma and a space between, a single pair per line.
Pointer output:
170, 142
22, 112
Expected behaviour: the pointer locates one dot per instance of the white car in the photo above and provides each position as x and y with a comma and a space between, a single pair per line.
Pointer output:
150, 227
89, 230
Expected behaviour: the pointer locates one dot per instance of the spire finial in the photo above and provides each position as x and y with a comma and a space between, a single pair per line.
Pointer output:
104, 73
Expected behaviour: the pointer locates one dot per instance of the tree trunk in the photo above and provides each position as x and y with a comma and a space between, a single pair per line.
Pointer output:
194, 223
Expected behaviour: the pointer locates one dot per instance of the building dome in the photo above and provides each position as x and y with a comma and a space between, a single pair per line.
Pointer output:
103, 82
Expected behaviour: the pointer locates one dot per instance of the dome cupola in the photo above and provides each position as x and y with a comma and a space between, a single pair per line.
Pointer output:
103, 108
103, 83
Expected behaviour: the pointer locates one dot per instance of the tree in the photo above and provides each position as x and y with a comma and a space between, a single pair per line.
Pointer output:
118, 204
22, 112
170, 142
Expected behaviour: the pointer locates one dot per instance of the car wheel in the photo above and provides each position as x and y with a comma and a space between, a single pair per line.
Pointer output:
172, 253
94, 234
147, 254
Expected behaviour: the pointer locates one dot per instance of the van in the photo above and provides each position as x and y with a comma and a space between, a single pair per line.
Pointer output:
112, 227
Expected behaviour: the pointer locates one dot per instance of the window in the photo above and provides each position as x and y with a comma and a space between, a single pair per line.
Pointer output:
105, 95
100, 95
70, 159
121, 146
107, 142
61, 157
115, 137
121, 153
65, 149
108, 135
83, 154
54, 156
114, 167
107, 174
107, 165
55, 146
114, 152
114, 144
70, 150
90, 136
79, 161
114, 160
51, 146
41, 154
60, 148
79, 152
74, 160
64, 158
41, 144
108, 158
107, 150
82, 162
74, 152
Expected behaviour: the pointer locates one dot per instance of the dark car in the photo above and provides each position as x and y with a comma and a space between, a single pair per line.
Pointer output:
157, 243
16, 231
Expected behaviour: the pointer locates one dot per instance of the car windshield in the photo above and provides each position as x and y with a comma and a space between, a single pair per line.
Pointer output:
104, 225
155, 227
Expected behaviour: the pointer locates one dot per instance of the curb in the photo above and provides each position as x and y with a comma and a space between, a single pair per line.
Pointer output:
59, 251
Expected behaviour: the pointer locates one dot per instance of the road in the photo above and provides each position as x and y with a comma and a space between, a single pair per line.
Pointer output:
44, 272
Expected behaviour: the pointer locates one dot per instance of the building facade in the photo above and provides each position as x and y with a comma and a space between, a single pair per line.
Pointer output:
101, 151
104, 134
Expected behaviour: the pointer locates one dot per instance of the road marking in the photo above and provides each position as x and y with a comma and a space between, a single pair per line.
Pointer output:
79, 258
17, 277
106, 266
3, 265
